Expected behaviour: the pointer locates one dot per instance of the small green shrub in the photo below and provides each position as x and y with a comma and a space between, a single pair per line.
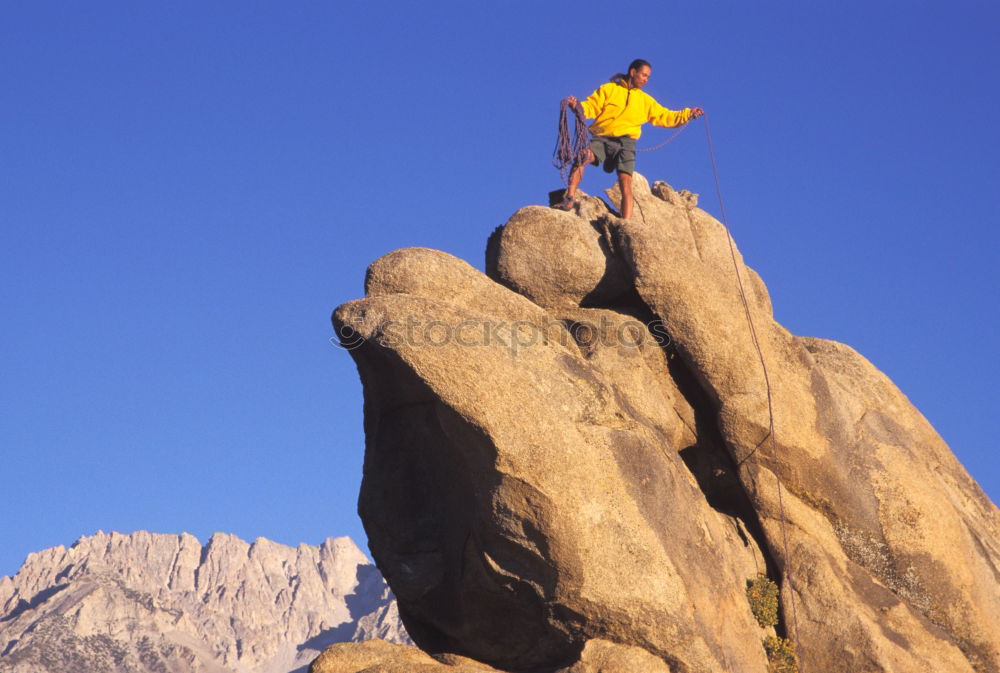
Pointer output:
762, 594
780, 655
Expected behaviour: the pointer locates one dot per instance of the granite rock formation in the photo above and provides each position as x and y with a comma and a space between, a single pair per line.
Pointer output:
573, 455
145, 603
379, 656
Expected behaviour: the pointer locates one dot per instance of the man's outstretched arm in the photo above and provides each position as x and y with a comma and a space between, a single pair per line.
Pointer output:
661, 116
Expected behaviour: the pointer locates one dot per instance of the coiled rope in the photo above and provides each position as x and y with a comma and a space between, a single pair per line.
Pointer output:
570, 151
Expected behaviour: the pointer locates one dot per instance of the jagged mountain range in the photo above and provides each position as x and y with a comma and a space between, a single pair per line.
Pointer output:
145, 603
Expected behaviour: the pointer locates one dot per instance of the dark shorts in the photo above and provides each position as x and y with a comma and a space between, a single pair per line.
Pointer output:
617, 153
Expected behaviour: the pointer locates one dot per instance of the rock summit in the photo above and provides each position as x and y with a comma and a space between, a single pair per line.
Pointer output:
570, 465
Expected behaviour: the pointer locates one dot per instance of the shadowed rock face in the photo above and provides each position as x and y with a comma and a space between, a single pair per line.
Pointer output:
575, 450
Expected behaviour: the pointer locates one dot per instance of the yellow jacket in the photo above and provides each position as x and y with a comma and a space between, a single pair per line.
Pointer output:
621, 111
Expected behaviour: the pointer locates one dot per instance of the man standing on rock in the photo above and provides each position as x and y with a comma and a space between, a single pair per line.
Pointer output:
621, 108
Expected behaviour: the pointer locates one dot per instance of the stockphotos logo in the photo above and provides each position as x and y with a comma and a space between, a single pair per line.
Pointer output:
514, 336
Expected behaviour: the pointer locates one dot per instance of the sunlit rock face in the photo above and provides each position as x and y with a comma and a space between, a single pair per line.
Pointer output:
576, 449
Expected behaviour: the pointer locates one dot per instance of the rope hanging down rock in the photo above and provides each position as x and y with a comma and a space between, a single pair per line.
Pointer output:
571, 151
769, 438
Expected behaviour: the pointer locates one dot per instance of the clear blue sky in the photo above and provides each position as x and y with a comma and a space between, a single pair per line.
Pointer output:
187, 189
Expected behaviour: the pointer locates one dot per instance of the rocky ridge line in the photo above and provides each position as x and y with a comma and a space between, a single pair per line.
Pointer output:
150, 602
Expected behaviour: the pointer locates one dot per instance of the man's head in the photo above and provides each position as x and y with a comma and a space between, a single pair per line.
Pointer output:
638, 73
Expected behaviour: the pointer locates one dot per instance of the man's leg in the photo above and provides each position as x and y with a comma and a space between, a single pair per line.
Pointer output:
625, 185
576, 175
